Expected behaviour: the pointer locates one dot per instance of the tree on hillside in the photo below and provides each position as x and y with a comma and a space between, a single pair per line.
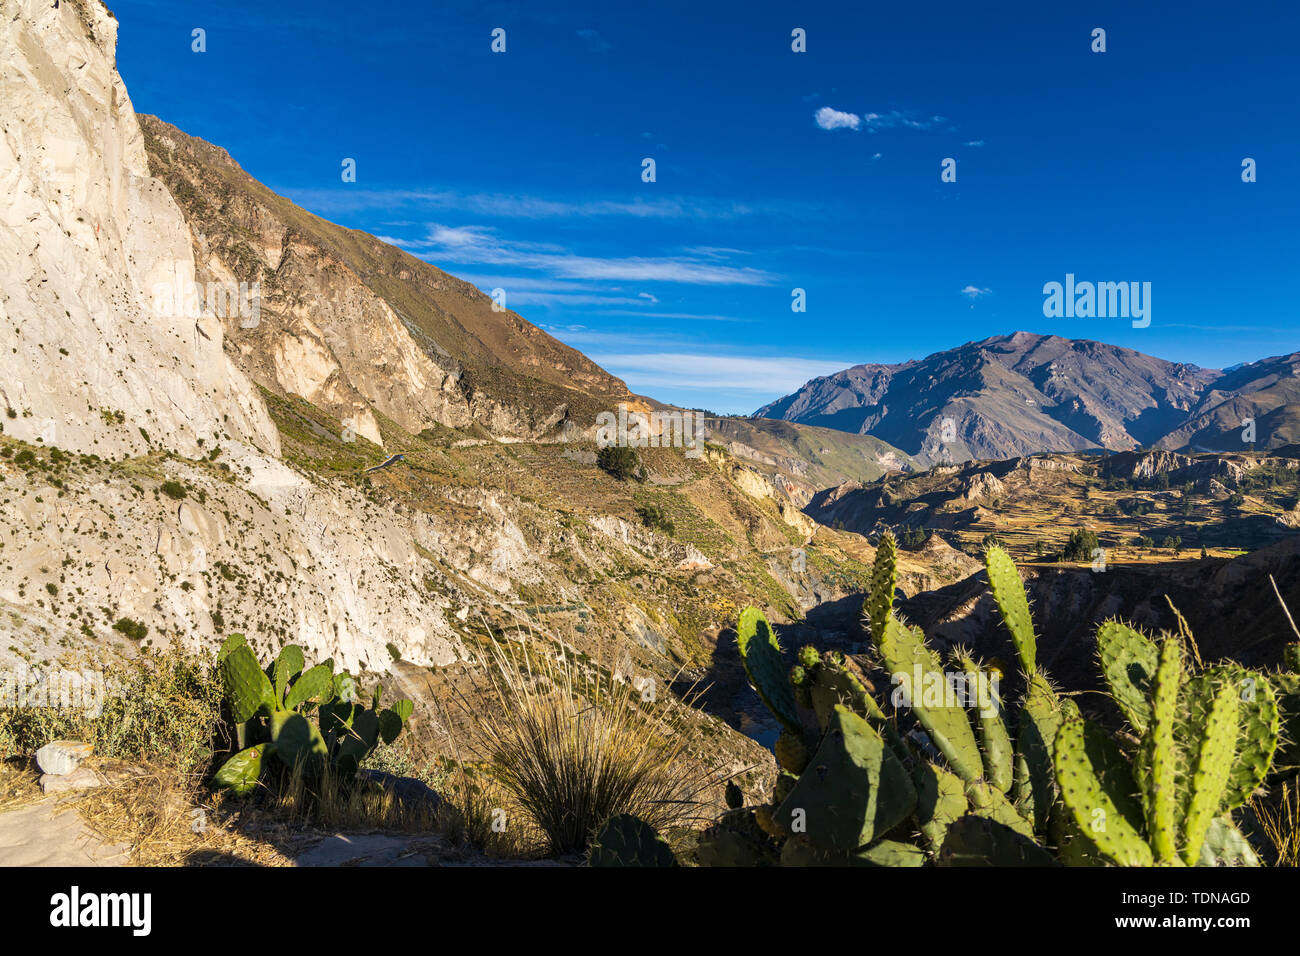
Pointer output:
1080, 545
620, 462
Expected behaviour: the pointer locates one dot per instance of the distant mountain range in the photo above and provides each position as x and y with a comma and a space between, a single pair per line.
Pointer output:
1023, 393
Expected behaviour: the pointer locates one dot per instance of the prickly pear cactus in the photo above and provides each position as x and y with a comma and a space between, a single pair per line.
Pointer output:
884, 581
1128, 662
905, 654
1034, 787
983, 841
761, 655
627, 840
247, 688
298, 716
1009, 592
854, 789
1097, 788
1208, 743
1259, 725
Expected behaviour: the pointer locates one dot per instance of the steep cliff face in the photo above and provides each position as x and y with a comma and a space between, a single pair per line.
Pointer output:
87, 237
358, 327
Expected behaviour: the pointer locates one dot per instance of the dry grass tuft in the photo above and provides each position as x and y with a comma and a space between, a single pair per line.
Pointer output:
1279, 819
326, 799
570, 747
18, 783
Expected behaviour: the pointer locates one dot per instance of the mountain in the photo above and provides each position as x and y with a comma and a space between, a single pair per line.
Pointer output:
1023, 393
359, 327
362, 457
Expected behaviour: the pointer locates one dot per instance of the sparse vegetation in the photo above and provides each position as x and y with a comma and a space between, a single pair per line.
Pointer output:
620, 462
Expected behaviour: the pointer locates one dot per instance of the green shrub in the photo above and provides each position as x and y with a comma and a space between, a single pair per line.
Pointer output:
163, 708
655, 518
173, 489
132, 629
620, 462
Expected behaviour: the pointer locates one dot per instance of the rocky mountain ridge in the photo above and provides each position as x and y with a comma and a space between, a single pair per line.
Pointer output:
1022, 394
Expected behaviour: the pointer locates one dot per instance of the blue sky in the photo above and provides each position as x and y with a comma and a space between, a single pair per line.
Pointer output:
522, 170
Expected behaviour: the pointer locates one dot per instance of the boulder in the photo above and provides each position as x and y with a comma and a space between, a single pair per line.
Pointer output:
61, 757
82, 778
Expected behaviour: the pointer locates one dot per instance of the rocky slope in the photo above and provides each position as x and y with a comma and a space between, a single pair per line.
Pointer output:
358, 327
171, 477
1022, 394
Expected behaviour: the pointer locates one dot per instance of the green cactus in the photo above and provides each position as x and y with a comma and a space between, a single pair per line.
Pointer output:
761, 655
1207, 745
298, 716
241, 772
1034, 787
627, 840
907, 657
1097, 787
1009, 592
884, 582
983, 841
995, 741
1128, 662
854, 790
247, 688
1210, 778
941, 800
1160, 763
989, 787
289, 664
1259, 725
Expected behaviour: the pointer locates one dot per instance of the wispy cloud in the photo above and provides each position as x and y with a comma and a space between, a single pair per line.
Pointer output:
761, 375
976, 142
973, 292
896, 118
829, 118
478, 245
507, 206
595, 42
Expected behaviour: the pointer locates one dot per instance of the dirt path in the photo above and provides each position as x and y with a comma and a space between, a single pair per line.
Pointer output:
45, 834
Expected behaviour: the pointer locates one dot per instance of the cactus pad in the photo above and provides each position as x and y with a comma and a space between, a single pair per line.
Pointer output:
247, 687
241, 772
1009, 592
903, 650
884, 581
1259, 723
627, 840
1097, 789
761, 655
1213, 767
1128, 662
982, 841
853, 788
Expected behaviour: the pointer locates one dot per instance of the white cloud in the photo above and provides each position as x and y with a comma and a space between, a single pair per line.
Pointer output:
685, 370
506, 206
974, 292
828, 118
976, 142
480, 246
